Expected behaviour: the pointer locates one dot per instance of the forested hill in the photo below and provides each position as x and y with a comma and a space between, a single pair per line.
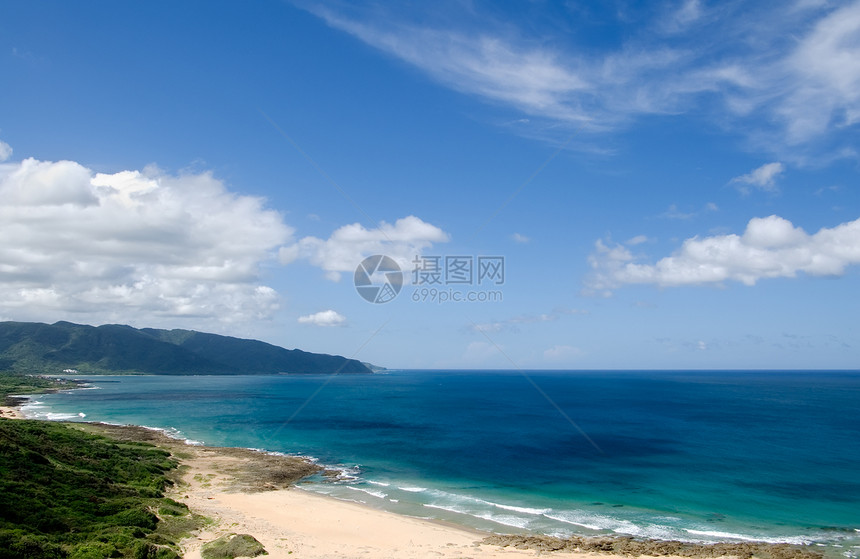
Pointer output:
32, 347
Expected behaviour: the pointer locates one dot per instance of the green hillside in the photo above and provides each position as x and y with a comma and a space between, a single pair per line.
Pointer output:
68, 494
33, 347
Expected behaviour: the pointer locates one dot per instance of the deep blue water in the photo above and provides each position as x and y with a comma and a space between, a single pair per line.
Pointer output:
701, 456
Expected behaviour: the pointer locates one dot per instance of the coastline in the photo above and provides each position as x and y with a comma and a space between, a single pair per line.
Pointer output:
11, 412
252, 492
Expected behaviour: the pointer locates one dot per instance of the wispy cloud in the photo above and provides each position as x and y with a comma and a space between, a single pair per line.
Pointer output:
680, 17
672, 212
763, 178
825, 68
534, 80
637, 240
520, 239
725, 67
515, 322
770, 247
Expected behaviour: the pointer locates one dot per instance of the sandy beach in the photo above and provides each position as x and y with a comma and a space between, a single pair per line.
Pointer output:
11, 413
297, 523
294, 523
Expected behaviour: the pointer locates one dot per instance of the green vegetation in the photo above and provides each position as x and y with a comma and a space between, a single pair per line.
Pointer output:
176, 522
232, 546
49, 348
69, 494
12, 383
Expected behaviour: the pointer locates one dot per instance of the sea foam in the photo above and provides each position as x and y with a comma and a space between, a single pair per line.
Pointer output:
795, 540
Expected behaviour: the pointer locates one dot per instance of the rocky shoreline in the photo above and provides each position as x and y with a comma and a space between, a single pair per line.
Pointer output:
249, 470
653, 548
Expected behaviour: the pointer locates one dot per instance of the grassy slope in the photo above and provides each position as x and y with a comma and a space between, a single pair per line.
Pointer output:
65, 493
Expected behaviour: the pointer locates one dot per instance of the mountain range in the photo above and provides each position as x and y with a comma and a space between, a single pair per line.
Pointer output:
33, 347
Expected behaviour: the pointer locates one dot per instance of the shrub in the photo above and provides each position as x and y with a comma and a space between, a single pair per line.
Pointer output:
93, 550
233, 545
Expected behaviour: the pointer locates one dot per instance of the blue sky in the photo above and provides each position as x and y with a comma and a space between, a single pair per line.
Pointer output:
671, 185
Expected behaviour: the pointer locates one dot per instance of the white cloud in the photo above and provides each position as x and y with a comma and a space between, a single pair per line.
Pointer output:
134, 246
672, 212
689, 12
637, 240
520, 239
533, 80
796, 71
350, 244
538, 81
770, 247
826, 68
324, 318
763, 178
5, 151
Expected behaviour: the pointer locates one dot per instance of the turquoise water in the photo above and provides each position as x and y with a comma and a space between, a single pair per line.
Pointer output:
698, 456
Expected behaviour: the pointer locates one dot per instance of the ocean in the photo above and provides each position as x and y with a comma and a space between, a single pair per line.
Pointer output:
692, 456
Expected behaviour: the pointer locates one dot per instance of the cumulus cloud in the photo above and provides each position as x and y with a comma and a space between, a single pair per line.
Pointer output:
132, 246
324, 318
763, 178
350, 244
5, 151
770, 247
